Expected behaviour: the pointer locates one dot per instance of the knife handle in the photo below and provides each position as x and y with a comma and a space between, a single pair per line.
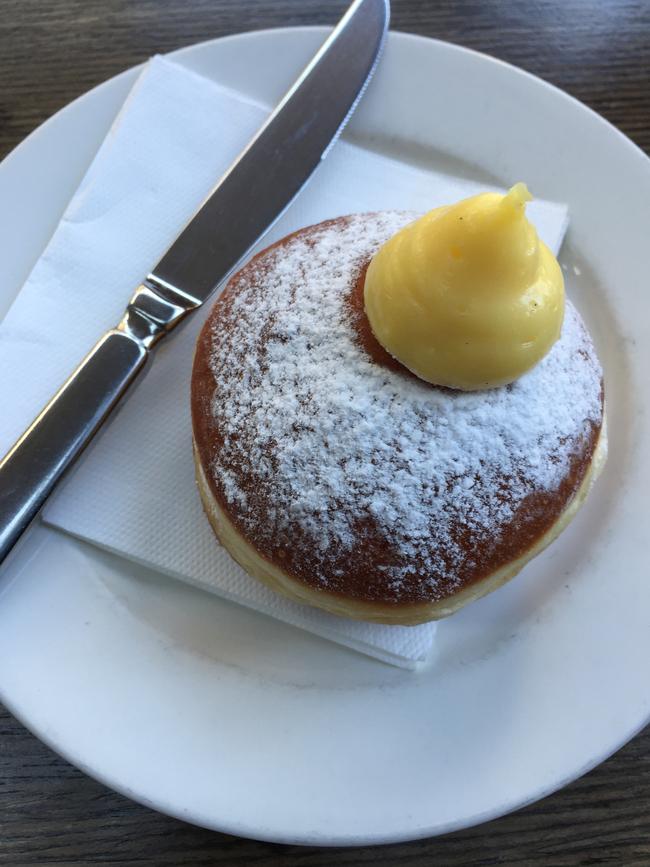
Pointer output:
64, 428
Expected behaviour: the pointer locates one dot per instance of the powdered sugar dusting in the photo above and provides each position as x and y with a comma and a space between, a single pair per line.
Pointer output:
336, 447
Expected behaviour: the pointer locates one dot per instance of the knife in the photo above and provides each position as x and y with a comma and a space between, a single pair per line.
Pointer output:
249, 198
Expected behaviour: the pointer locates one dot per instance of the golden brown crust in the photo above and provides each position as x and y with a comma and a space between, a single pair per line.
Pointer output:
392, 614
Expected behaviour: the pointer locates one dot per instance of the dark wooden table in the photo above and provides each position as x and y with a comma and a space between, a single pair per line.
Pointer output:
50, 52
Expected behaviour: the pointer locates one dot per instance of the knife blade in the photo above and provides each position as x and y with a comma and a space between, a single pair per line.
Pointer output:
244, 204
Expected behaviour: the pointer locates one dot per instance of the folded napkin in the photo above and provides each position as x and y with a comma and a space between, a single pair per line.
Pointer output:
134, 493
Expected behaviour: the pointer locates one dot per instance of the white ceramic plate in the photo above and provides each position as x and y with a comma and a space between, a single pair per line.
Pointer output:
230, 720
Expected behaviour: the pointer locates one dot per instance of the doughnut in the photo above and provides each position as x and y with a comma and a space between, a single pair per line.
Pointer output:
338, 478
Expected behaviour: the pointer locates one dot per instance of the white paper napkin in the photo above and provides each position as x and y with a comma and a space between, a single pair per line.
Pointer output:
134, 493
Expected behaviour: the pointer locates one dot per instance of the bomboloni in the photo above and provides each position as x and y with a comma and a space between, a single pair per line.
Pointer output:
337, 477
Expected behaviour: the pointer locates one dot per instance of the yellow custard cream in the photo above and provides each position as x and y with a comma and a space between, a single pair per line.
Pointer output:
468, 296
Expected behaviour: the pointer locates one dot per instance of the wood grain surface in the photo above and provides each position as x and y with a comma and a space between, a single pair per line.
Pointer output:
50, 52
